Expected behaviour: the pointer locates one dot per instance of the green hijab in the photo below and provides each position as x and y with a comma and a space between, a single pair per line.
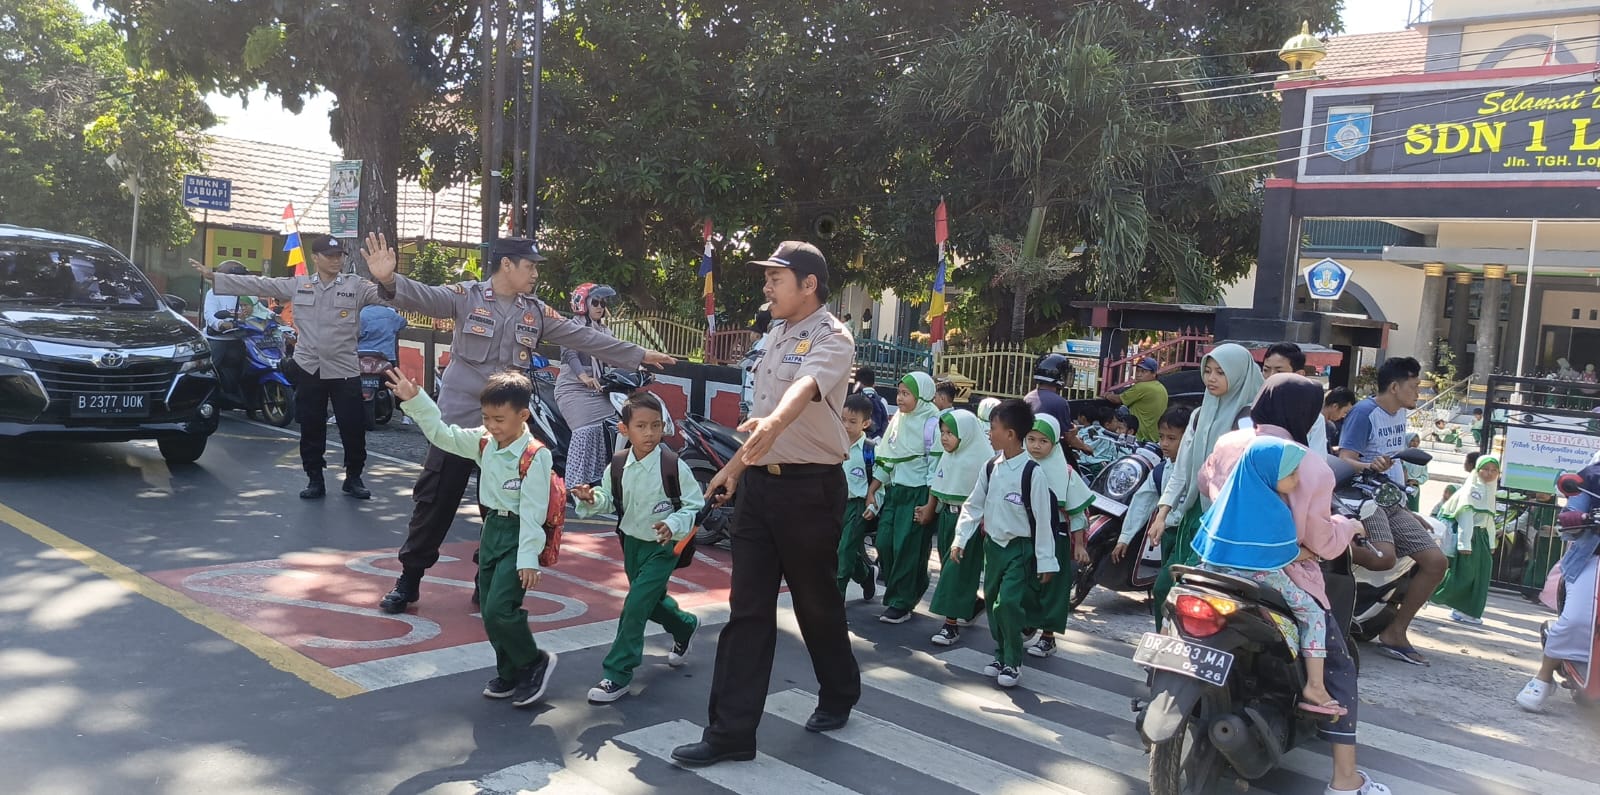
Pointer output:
906, 436
1474, 494
957, 471
1217, 416
1065, 482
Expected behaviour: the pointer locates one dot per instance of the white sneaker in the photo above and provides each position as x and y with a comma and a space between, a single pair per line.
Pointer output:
1368, 787
680, 651
1457, 615
993, 669
1043, 647
1009, 677
1533, 695
606, 692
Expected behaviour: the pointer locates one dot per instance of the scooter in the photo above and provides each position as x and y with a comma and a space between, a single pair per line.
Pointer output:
1379, 593
1226, 676
1113, 491
260, 385
545, 420
375, 395
1584, 680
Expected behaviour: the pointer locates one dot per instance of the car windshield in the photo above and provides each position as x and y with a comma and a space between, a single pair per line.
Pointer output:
64, 274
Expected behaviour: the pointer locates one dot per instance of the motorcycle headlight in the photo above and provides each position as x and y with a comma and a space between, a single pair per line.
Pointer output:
1122, 479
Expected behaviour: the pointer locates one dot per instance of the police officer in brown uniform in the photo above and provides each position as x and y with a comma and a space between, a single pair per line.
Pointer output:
327, 308
789, 517
498, 325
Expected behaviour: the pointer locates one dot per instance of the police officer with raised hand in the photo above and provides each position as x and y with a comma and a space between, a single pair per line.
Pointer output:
327, 308
498, 325
789, 517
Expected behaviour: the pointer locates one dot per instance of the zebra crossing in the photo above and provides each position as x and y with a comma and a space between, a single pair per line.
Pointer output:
931, 723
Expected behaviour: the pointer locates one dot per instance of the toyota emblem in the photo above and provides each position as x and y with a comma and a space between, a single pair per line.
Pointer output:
111, 359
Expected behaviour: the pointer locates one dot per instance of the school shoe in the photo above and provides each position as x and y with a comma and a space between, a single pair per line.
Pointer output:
824, 721
869, 589
1533, 695
994, 668
1457, 615
1043, 647
499, 688
680, 650
535, 680
947, 636
407, 589
315, 488
355, 488
703, 753
606, 692
1368, 787
895, 615
1009, 676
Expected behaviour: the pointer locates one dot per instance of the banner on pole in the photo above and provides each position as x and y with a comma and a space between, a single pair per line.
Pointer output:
344, 198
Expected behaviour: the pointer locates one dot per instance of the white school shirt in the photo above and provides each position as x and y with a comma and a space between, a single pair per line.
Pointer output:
997, 504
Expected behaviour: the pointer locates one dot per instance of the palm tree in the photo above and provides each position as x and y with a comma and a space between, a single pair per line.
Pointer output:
1090, 123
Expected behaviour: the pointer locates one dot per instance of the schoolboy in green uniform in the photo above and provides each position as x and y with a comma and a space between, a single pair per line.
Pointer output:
513, 530
853, 564
651, 528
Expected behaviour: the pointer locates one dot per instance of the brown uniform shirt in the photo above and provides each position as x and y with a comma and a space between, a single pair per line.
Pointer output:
821, 347
327, 315
493, 335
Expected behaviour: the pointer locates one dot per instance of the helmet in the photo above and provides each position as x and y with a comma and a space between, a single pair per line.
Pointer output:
763, 320
1053, 368
590, 294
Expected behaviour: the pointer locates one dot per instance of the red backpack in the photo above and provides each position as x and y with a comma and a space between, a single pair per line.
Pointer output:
555, 515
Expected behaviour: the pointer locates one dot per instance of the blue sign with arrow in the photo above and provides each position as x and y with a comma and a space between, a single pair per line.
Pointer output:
207, 193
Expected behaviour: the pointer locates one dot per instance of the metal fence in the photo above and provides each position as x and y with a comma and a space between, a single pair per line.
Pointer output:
1003, 370
1528, 544
658, 331
891, 362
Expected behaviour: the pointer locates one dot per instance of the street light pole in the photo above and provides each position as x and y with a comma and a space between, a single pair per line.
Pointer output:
531, 224
133, 237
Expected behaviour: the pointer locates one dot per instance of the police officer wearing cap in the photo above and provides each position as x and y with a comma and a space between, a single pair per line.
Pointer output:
327, 308
498, 325
789, 515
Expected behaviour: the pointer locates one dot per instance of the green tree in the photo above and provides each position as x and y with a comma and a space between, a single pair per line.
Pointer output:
385, 63
68, 99
433, 264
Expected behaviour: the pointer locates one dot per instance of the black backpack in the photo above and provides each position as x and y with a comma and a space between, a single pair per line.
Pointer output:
669, 485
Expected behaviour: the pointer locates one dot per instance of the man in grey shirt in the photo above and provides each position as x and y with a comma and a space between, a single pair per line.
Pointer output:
498, 325
327, 312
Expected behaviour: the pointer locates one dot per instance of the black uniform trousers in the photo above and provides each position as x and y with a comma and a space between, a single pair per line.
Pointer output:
437, 497
785, 528
311, 397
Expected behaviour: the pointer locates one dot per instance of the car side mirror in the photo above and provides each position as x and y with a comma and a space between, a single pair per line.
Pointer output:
177, 304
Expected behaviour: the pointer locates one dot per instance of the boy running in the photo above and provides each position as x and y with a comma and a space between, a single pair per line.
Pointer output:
513, 530
651, 523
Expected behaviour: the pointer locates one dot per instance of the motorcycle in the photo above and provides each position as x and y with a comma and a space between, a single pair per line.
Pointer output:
1581, 680
375, 395
552, 429
1226, 673
260, 385
1113, 489
707, 447
1378, 594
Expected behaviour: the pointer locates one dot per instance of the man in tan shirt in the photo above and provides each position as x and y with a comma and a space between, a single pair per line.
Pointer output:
790, 514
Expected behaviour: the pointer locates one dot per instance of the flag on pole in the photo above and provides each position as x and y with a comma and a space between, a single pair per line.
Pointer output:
1550, 52
705, 272
297, 254
941, 233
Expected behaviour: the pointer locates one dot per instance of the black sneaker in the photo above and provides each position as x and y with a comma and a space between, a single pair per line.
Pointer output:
869, 589
1043, 647
315, 489
606, 692
1009, 676
680, 650
535, 680
947, 635
407, 589
499, 688
895, 615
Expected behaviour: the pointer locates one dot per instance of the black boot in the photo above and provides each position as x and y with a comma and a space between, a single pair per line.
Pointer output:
315, 489
407, 589
355, 488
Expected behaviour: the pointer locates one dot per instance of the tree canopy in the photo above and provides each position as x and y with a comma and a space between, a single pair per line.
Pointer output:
68, 99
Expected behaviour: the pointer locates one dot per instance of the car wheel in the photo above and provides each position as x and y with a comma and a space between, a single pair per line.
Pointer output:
182, 450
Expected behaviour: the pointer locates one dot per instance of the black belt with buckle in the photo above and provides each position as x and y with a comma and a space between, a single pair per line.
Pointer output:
798, 470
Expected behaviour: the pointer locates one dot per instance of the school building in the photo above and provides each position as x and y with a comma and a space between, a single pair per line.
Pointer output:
1453, 170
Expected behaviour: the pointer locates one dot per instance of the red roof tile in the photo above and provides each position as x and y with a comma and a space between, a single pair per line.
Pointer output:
1400, 52
268, 176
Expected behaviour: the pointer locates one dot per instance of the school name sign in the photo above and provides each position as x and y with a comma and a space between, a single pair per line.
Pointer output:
1453, 132
1535, 458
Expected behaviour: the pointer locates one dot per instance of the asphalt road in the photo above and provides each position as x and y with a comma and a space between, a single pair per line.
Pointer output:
202, 630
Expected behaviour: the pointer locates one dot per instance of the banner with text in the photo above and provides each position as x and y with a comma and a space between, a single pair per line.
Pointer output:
1475, 130
1535, 458
344, 198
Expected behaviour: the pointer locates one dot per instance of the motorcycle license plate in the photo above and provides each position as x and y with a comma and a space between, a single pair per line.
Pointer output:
96, 405
1183, 657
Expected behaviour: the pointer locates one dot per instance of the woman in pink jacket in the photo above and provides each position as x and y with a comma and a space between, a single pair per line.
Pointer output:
1287, 408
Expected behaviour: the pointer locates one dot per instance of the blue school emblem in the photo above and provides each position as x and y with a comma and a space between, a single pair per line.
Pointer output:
1349, 132
1326, 280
